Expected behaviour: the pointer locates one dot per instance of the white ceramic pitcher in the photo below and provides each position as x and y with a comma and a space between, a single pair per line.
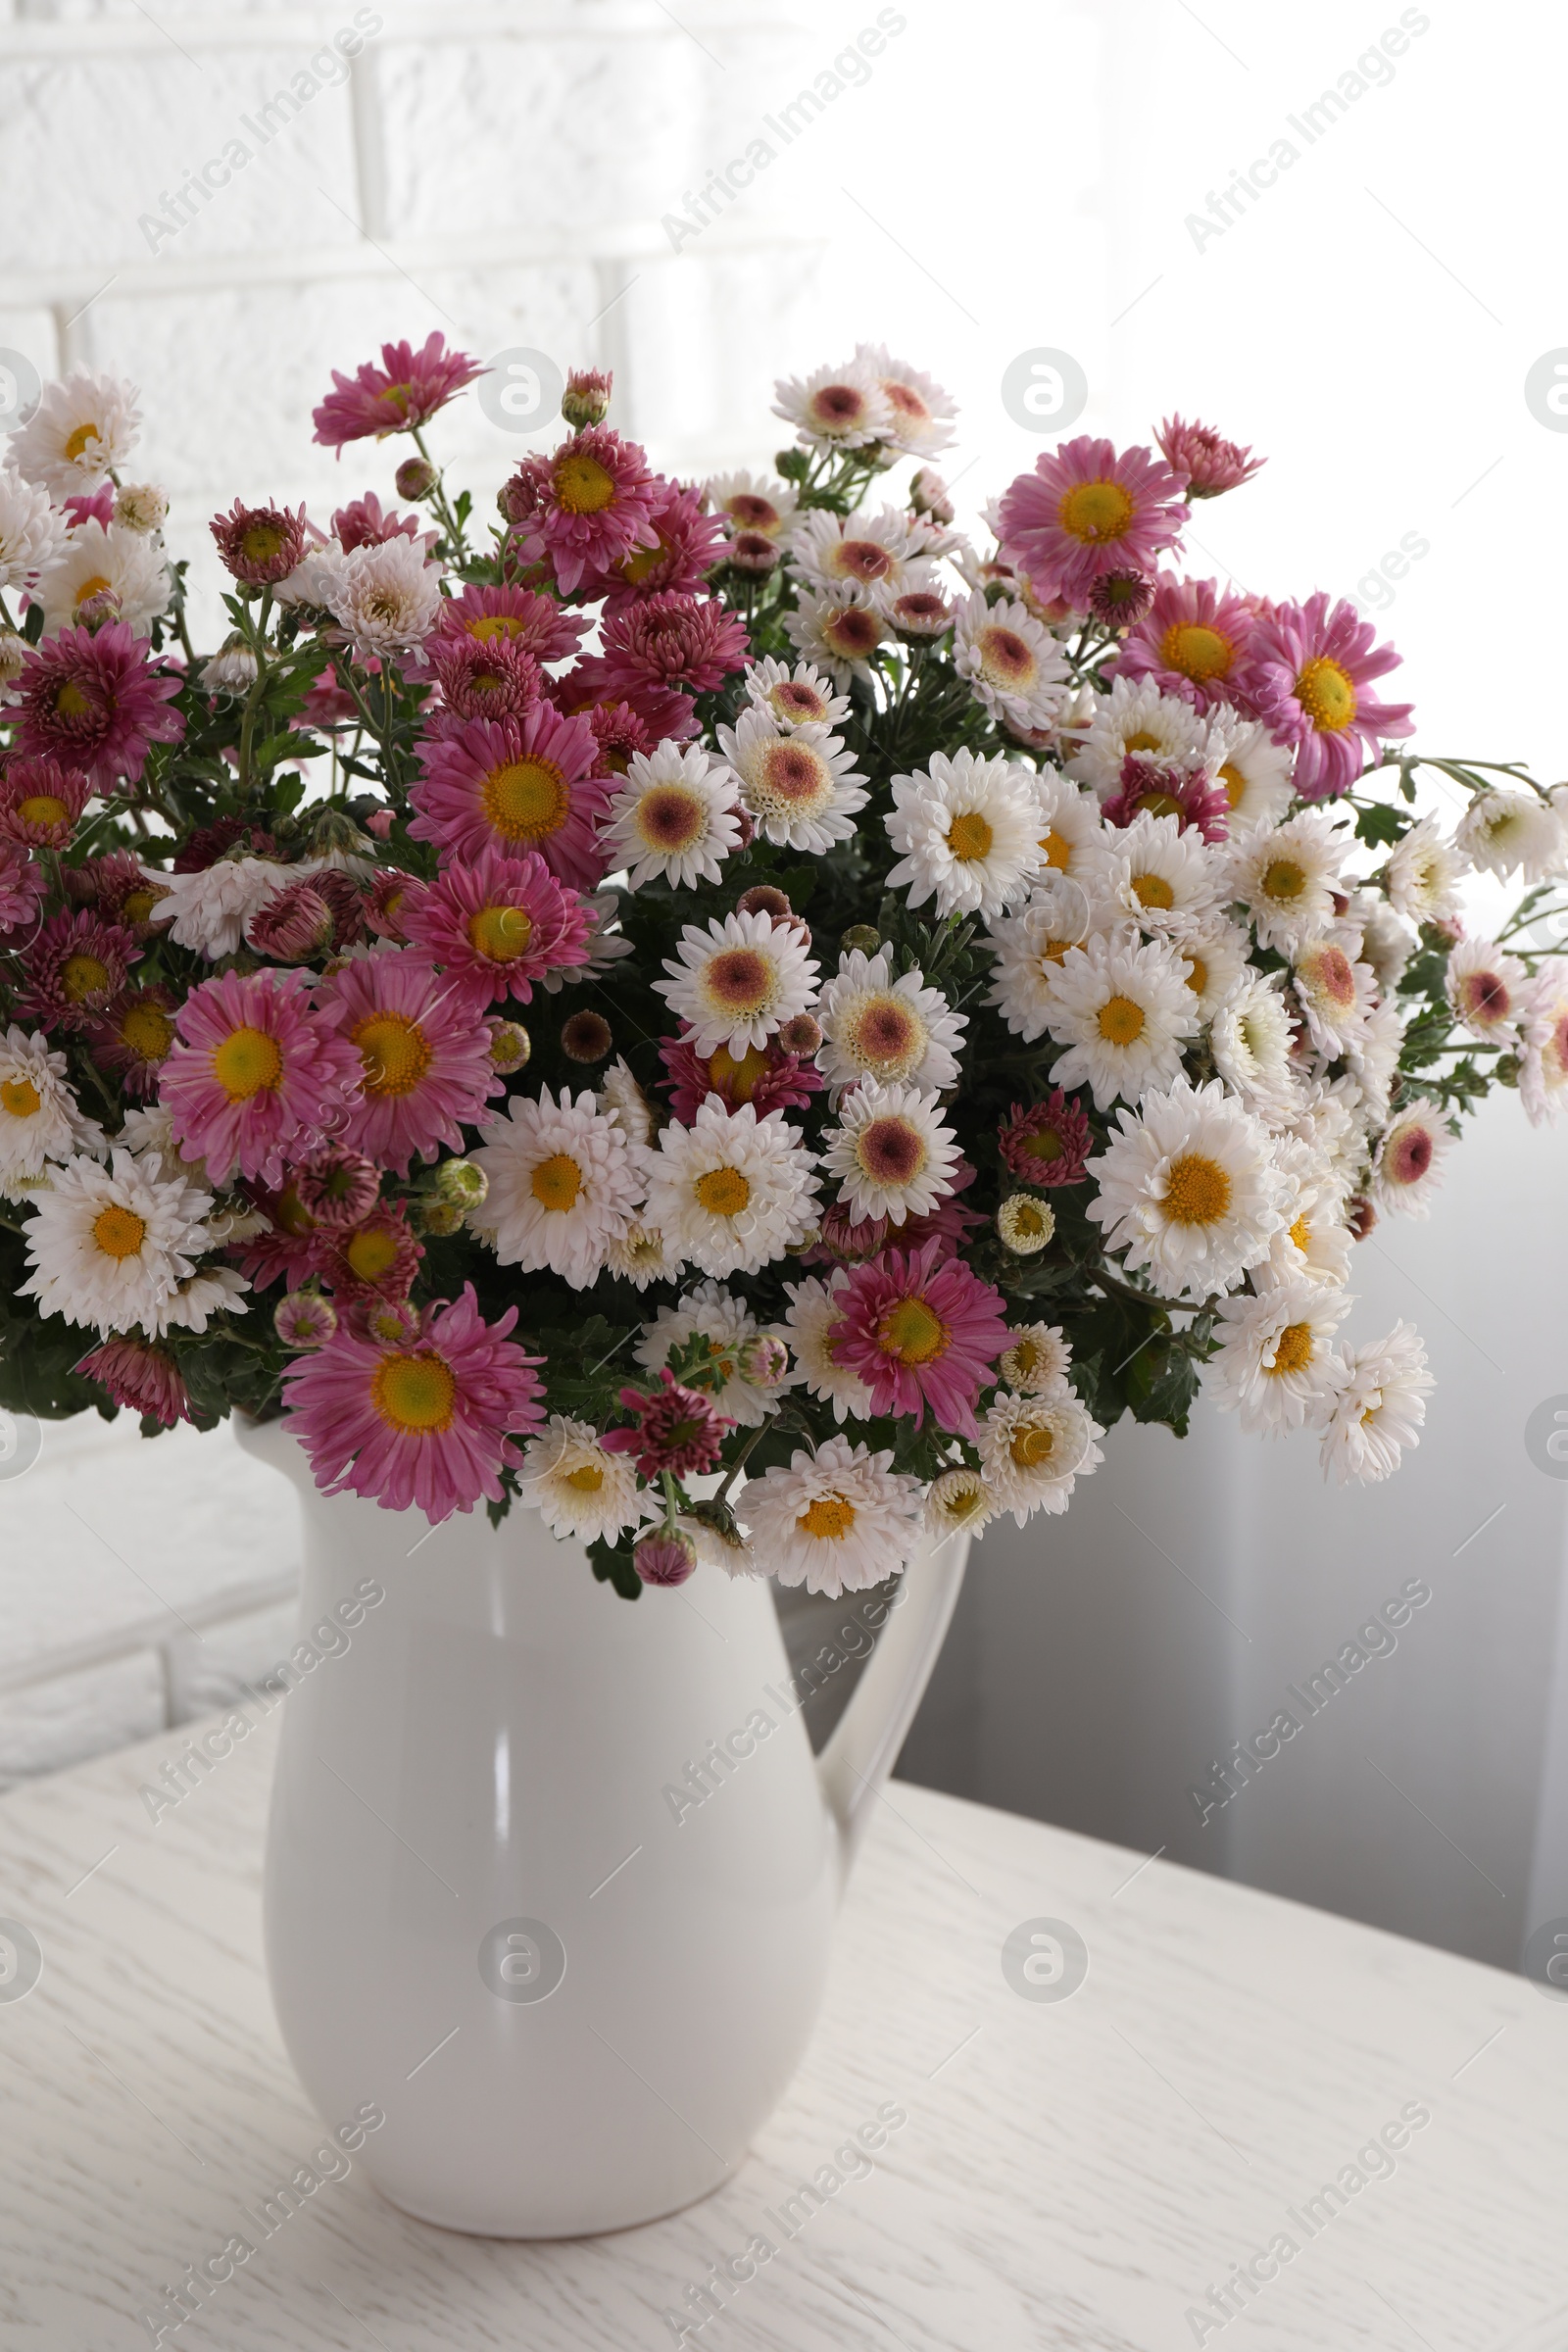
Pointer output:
499, 1906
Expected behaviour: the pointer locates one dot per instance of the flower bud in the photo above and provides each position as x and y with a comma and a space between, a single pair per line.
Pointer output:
586, 1037
863, 936
231, 669
99, 611
928, 494
586, 399
293, 926
12, 658
392, 1322
763, 899
462, 1183
439, 1217
763, 1360
802, 1036
665, 1558
1025, 1224
304, 1319
509, 1047
416, 478
140, 508
754, 554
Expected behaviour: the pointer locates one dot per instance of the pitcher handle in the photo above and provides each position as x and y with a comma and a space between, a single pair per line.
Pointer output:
865, 1745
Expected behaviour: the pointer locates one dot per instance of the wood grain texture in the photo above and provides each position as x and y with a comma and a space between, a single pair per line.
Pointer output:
1072, 2174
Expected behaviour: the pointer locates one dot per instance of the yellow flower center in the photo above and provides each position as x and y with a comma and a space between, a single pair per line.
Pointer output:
248, 1062
394, 1052
969, 837
71, 702
828, 1519
582, 485
1235, 783
1196, 652
372, 1252
94, 586
1198, 1189
635, 567
1283, 878
502, 933
82, 976
1027, 1220
1198, 974
1031, 1447
119, 1232
1326, 694
556, 1182
1094, 511
496, 624
413, 1392
740, 1077
1141, 741
1004, 658
261, 542
1301, 1233
42, 808
20, 1099
1153, 890
1121, 1021
147, 1031
912, 1332
588, 1480
1058, 851
1024, 1358
526, 798
136, 905
1293, 1349
1046, 1144
77, 440
723, 1192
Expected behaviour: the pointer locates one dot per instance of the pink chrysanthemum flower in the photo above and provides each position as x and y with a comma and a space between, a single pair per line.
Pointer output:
619, 733
337, 1188
379, 1258
921, 1331
22, 884
689, 543
94, 700
366, 523
515, 785
1087, 509
1205, 462
674, 1428
1155, 787
484, 678
670, 640
98, 507
1120, 599
393, 895
1049, 1142
135, 1037
290, 1245
668, 717
664, 1559
497, 924
408, 388
533, 621
258, 545
1194, 643
767, 1078
424, 1058
843, 1239
304, 1319
597, 505
255, 1077
1307, 678
40, 802
75, 967
425, 1426
142, 1379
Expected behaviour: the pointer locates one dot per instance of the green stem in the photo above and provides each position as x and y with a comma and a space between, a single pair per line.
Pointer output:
438, 499
253, 701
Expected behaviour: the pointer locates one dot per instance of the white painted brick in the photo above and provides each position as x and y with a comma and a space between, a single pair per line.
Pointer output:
738, 311
64, 1721
32, 335
209, 1673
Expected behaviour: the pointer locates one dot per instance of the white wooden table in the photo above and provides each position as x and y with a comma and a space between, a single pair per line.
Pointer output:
1073, 2172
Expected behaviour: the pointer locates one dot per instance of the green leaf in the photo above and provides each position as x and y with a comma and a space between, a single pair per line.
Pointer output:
616, 1568
1379, 823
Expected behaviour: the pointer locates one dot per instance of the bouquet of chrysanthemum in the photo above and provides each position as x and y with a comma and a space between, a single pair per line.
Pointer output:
720, 980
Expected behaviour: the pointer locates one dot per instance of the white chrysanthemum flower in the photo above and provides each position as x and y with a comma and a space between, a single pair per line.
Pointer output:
1327, 1119
673, 819
1025, 1224
1134, 716
839, 628
1372, 1054
388, 598
1250, 768
836, 1521
32, 533
1508, 832
1275, 1364
1336, 992
40, 1119
732, 1192
575, 1486
798, 697
111, 1245
83, 428
1386, 944
1034, 1448
1216, 959
922, 413
753, 502
835, 408
141, 506
968, 831
1543, 1065
1284, 877
738, 982
874, 1026
1124, 1012
622, 1099
13, 650
211, 908
1157, 874
316, 578
1070, 826
1037, 1360
1408, 1168
832, 550
1422, 875
606, 947
216, 1290
231, 669
799, 784
638, 1255
811, 1324
564, 1183
1192, 1189
1250, 1037
95, 562
1015, 669
728, 1323
958, 1504
1488, 990
1029, 948
1316, 1246
892, 1151
1380, 1409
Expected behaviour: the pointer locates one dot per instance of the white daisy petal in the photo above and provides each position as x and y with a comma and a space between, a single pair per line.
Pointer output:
110, 1247
968, 832
564, 1183
1192, 1189
673, 819
892, 1151
1275, 1364
1124, 1012
732, 1192
578, 1488
1380, 1408
874, 1026
836, 1521
738, 982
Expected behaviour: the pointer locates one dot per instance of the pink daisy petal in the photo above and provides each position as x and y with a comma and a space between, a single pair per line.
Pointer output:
690, 543
670, 640
96, 703
515, 785
256, 1076
597, 505
1307, 678
1194, 642
921, 1331
497, 924
407, 389
423, 1049
1086, 509
533, 621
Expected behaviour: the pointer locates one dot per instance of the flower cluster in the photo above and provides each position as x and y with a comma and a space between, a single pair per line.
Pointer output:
722, 1014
